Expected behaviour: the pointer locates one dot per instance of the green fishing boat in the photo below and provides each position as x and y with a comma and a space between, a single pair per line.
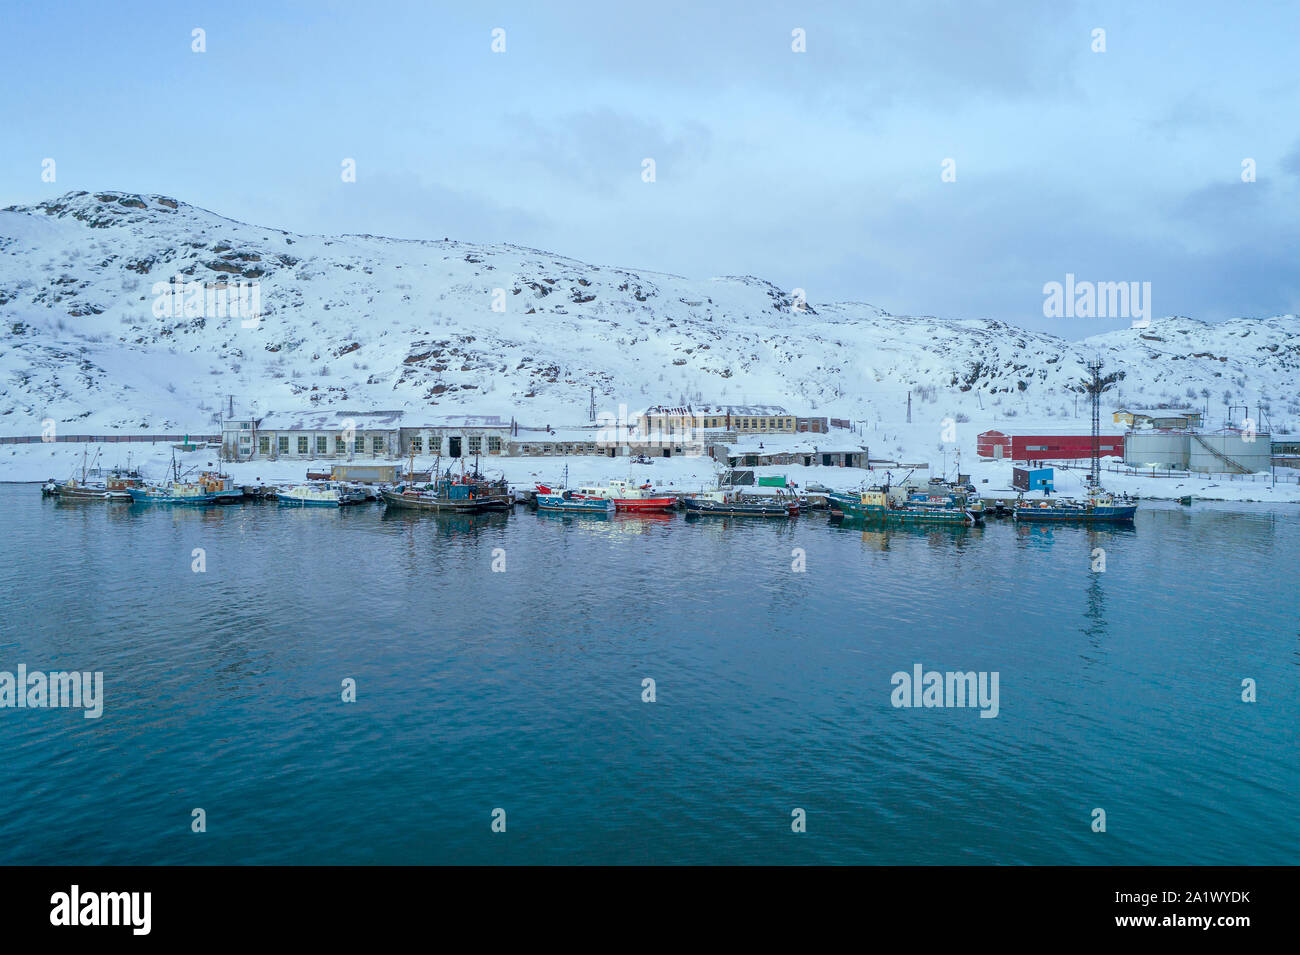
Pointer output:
875, 505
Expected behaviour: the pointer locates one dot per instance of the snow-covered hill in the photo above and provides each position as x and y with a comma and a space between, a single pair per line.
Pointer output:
368, 322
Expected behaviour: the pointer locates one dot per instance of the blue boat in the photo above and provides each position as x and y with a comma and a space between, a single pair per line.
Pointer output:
1097, 508
573, 501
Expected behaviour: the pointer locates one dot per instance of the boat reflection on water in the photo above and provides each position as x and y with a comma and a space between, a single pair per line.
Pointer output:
446, 523
878, 535
1048, 532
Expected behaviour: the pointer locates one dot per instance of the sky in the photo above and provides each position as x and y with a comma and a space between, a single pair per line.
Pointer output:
945, 159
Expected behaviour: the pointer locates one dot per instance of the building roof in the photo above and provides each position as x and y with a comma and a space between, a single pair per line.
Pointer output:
566, 435
753, 411
459, 421
1161, 412
328, 419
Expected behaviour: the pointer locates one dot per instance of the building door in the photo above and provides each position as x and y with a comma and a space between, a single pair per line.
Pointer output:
997, 452
848, 460
454, 444
826, 461
668, 452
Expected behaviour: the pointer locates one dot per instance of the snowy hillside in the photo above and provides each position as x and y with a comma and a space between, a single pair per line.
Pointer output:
367, 322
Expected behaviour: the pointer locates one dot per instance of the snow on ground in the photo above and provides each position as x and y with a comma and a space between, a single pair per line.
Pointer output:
37, 462
436, 327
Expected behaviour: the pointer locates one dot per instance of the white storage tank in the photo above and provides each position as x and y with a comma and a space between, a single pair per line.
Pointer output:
1231, 452
1157, 449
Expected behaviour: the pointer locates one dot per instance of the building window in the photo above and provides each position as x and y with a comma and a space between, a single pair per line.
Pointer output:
417, 444
321, 444
264, 444
377, 444
302, 444
340, 447
283, 445
494, 444
358, 445
475, 444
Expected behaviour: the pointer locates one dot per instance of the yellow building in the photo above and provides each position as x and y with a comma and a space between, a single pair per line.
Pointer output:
743, 419
1160, 418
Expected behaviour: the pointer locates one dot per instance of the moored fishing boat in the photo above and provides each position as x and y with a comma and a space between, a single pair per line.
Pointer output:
467, 494
728, 502
115, 486
874, 504
573, 501
175, 492
320, 494
948, 501
447, 495
206, 490
629, 497
1097, 507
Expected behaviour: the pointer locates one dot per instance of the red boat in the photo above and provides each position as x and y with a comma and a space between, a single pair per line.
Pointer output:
628, 497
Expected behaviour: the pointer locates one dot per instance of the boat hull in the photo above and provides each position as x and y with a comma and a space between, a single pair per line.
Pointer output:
584, 505
851, 508
196, 500
735, 509
1106, 514
650, 504
429, 502
89, 495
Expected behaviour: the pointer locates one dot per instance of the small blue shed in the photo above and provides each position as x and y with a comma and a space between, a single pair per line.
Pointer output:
1033, 479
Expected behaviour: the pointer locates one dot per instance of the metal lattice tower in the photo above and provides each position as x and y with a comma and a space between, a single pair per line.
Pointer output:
1094, 389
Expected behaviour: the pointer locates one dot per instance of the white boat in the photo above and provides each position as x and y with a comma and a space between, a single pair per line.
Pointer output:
325, 494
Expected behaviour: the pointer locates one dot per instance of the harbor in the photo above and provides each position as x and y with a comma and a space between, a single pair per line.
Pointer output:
489, 684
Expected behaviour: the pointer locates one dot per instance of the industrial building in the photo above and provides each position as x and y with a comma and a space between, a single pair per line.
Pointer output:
1045, 447
1217, 452
351, 435
1160, 418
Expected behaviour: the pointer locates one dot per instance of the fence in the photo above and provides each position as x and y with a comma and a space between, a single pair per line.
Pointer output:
1264, 476
112, 438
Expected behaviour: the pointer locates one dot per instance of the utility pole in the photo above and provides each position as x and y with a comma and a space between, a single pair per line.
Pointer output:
591, 415
909, 407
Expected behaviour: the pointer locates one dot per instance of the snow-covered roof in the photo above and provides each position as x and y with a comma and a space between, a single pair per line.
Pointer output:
566, 435
328, 419
1160, 412
755, 411
458, 421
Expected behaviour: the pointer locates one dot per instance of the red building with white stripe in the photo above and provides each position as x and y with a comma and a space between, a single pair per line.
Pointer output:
1046, 447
